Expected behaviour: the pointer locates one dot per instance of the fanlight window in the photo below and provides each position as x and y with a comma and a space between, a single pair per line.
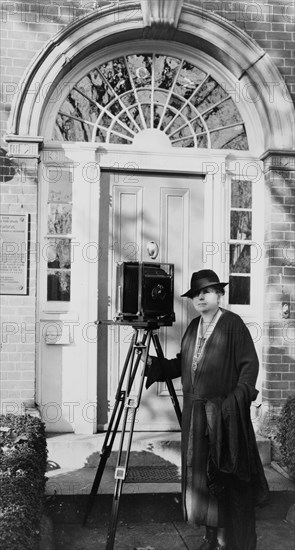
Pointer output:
115, 101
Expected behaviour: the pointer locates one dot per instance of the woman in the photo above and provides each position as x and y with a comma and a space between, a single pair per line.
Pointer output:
222, 475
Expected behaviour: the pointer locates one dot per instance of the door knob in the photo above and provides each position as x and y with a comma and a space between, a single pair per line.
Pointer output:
153, 249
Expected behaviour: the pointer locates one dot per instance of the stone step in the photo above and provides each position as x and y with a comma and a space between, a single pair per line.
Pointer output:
73, 461
77, 451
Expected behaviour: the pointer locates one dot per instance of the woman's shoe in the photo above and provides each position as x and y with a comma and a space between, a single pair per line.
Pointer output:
207, 544
220, 547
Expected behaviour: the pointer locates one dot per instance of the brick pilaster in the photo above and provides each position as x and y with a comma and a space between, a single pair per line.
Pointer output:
279, 302
18, 320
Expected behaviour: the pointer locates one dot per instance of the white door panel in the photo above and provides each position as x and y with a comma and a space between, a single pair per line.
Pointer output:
167, 209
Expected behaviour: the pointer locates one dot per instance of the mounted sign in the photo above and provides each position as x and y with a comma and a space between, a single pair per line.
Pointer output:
14, 253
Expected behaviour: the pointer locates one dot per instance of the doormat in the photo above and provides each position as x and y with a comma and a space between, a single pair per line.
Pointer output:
153, 474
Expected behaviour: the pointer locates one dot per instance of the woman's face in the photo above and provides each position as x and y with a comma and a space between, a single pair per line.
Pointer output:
207, 301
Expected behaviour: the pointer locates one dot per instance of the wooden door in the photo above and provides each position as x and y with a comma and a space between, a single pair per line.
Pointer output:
137, 208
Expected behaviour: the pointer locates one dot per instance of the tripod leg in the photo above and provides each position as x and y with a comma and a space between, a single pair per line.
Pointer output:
169, 382
131, 406
140, 347
111, 431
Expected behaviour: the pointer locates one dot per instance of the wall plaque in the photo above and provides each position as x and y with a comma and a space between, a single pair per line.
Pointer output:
14, 230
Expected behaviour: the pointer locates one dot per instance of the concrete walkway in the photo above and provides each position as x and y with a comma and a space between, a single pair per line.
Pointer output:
150, 513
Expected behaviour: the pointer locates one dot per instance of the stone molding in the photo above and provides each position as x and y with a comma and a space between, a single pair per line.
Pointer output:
161, 12
25, 147
278, 160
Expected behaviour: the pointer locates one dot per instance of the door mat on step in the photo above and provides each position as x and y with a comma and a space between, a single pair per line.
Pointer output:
153, 474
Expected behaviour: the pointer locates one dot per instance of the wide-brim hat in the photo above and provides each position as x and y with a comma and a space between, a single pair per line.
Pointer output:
203, 279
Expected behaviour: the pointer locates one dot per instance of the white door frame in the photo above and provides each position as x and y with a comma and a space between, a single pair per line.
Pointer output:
88, 159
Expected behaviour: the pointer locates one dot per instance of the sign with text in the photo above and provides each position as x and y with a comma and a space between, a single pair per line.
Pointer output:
14, 253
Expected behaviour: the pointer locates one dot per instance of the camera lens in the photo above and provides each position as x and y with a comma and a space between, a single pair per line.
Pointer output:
158, 292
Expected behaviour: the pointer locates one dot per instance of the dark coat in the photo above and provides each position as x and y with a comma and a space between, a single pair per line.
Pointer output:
216, 425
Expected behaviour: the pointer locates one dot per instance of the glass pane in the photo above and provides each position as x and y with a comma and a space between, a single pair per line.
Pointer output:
204, 92
71, 129
202, 141
83, 107
183, 133
146, 111
241, 194
239, 143
176, 102
125, 119
239, 290
60, 186
117, 139
240, 257
241, 225
144, 96
138, 80
94, 86
169, 115
189, 112
227, 138
58, 286
128, 99
198, 126
105, 121
177, 123
121, 130
222, 115
116, 74
158, 110
140, 67
59, 219
165, 71
136, 115
189, 142
211, 94
101, 135
160, 97
58, 253
189, 78
115, 108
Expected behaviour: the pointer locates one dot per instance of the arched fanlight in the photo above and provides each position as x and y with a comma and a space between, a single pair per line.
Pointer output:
127, 95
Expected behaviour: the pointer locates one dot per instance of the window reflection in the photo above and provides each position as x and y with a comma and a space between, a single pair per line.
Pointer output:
239, 290
241, 225
58, 286
240, 253
57, 251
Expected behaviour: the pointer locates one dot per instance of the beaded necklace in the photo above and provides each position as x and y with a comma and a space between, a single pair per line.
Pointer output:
201, 339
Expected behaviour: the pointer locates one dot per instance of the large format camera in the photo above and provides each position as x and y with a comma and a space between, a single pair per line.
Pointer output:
145, 293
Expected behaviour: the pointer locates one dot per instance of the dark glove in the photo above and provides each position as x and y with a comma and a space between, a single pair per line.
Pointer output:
154, 372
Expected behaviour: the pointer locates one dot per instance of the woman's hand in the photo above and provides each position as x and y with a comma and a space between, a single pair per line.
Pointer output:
154, 371
145, 358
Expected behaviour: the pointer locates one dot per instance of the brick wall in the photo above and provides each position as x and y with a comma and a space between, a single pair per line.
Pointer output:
279, 348
19, 196
27, 25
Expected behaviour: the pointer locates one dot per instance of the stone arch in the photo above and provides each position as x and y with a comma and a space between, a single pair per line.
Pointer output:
256, 82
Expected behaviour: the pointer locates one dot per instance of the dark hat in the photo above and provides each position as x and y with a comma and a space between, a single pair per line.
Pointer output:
203, 279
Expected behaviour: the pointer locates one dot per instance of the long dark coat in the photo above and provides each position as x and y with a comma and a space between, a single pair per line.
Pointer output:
217, 430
